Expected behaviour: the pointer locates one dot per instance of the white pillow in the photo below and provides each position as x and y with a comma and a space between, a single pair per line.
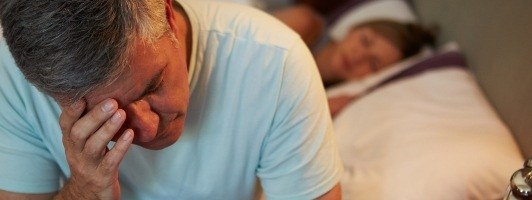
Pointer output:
431, 136
396, 10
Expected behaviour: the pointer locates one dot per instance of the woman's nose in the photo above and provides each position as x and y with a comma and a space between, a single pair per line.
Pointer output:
358, 58
360, 55
142, 120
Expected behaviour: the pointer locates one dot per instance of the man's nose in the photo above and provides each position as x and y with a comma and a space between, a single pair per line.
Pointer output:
142, 120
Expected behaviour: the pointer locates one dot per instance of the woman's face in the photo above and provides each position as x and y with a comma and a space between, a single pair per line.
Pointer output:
363, 52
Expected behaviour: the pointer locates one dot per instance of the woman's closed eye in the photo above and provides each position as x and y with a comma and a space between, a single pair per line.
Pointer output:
365, 40
373, 64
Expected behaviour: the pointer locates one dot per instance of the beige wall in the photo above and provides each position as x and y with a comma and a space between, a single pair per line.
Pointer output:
496, 36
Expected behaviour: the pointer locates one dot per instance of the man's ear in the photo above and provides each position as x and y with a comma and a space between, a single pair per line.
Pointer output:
170, 15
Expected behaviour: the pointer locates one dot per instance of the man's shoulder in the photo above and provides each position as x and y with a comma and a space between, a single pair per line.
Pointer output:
242, 22
10, 76
16, 91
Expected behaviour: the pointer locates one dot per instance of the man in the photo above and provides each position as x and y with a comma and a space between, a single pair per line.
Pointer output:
221, 101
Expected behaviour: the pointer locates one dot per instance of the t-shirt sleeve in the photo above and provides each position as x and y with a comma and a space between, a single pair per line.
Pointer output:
299, 158
26, 166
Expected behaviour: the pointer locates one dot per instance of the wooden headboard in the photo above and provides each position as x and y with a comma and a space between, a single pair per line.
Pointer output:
496, 37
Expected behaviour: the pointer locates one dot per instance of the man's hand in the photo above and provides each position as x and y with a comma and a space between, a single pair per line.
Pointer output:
94, 168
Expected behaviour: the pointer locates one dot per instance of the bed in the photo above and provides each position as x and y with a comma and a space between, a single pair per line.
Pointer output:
456, 130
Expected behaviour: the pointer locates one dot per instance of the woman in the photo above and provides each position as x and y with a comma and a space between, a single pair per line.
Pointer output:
368, 47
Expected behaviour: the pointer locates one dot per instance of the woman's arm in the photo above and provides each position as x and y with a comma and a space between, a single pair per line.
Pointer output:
334, 194
337, 104
304, 21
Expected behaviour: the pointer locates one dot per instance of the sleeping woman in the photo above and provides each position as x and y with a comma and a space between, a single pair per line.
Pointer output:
368, 47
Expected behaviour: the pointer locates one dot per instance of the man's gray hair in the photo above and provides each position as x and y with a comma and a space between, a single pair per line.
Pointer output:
67, 48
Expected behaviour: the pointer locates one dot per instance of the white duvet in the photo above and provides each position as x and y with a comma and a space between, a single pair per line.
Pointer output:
431, 136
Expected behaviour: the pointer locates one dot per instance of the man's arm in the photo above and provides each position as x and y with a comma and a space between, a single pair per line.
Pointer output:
94, 168
5, 195
300, 159
334, 194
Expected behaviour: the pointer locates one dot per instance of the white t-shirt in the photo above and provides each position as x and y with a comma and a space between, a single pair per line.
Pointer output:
257, 115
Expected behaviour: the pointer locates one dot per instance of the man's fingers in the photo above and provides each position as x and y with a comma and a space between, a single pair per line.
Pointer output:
99, 140
90, 122
70, 114
112, 159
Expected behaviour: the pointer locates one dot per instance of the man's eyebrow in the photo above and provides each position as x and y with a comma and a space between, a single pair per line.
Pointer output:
152, 84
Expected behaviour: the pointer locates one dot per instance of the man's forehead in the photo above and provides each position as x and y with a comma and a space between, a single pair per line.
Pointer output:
102, 93
119, 89
144, 58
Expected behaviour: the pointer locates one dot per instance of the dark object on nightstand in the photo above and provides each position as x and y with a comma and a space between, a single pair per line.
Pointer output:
521, 183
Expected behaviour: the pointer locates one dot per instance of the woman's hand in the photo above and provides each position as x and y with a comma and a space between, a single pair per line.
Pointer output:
94, 168
337, 104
